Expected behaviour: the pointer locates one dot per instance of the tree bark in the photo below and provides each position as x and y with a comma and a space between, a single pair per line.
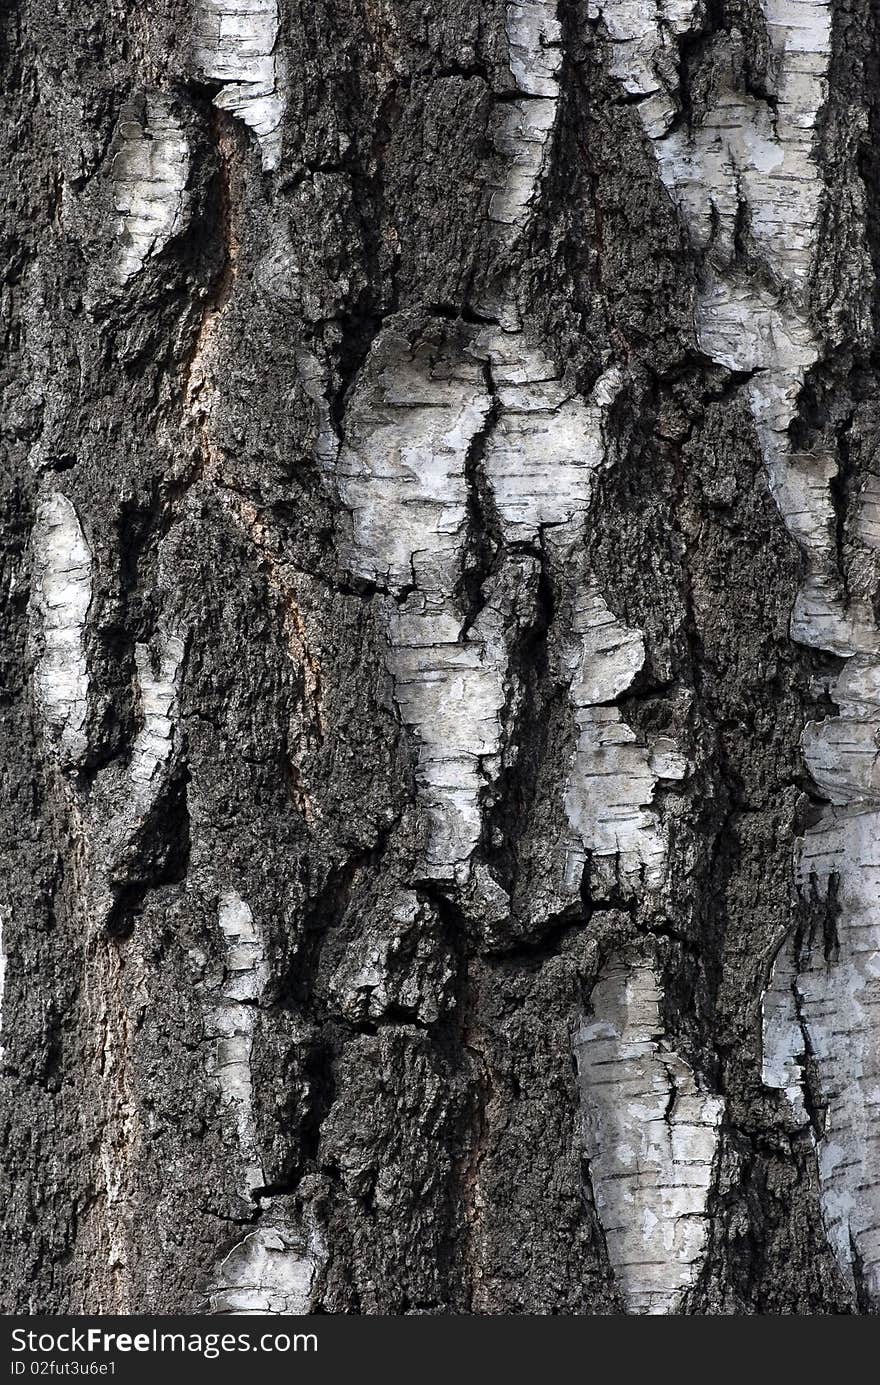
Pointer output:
441, 670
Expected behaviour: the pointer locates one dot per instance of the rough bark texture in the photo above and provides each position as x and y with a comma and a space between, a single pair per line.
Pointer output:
440, 665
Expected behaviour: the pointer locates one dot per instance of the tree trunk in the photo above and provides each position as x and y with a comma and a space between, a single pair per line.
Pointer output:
440, 665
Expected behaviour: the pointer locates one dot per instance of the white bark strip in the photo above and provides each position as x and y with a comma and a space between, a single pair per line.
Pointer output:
122, 798
828, 996
230, 1026
650, 1135
613, 778
783, 1043
158, 679
235, 43
548, 442
60, 601
839, 1004
3, 921
643, 54
540, 460
522, 128
273, 1270
748, 156
401, 476
150, 174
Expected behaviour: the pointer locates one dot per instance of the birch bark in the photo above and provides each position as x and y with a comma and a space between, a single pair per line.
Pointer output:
439, 712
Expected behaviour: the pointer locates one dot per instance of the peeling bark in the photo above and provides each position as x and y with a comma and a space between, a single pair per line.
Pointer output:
235, 43
150, 174
62, 596
651, 1139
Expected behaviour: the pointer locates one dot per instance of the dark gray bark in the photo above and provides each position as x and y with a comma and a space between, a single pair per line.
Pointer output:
272, 986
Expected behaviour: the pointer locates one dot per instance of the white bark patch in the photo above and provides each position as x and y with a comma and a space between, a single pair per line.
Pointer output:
521, 129
643, 55
612, 777
744, 151
158, 676
150, 174
539, 460
2, 978
273, 1271
401, 473
843, 752
450, 692
783, 1044
534, 36
746, 155
274, 1268
230, 1026
868, 522
60, 601
835, 998
235, 43
122, 797
547, 443
401, 476
839, 1005
650, 1135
